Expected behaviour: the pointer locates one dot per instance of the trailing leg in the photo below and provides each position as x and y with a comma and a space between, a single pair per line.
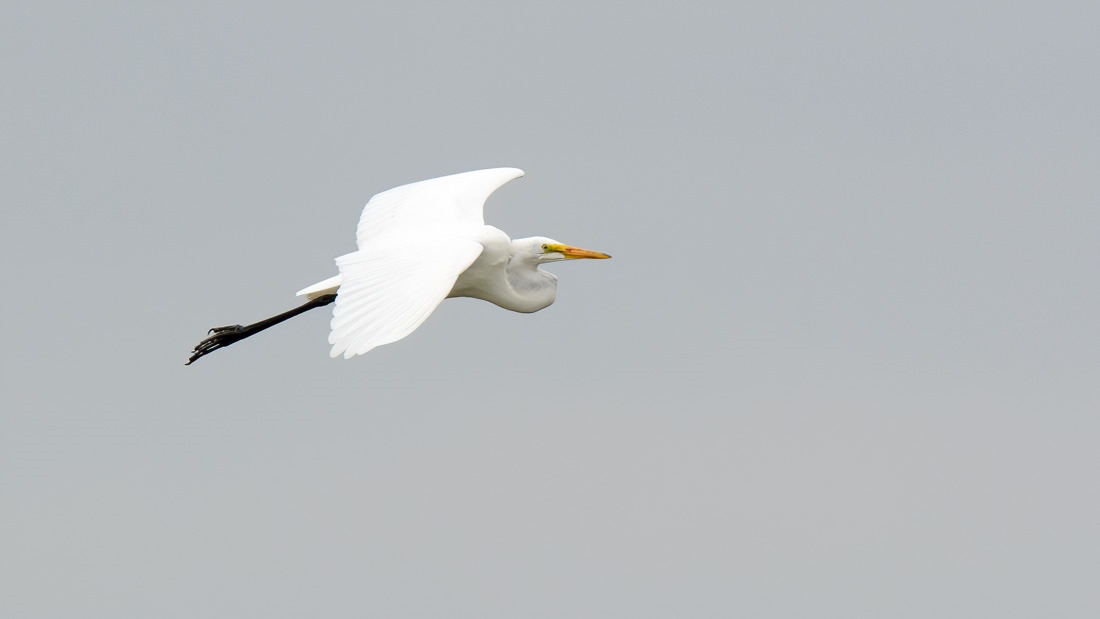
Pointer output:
220, 337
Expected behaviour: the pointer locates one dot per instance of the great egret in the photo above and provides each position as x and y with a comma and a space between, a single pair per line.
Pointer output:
419, 244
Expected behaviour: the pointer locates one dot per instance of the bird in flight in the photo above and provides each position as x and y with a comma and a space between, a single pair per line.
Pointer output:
419, 244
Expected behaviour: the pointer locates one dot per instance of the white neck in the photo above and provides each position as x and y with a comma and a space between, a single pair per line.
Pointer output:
533, 288
506, 276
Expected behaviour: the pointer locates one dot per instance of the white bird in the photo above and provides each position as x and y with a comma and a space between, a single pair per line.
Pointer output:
419, 244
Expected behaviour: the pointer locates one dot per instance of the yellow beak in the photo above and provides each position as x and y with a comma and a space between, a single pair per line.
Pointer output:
575, 252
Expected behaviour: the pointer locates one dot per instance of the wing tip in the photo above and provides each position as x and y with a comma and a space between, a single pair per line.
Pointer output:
511, 173
343, 349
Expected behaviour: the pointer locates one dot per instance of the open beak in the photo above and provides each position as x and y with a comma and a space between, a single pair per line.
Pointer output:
577, 252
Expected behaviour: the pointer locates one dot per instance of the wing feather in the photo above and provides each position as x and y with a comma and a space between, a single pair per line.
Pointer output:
389, 290
414, 241
437, 204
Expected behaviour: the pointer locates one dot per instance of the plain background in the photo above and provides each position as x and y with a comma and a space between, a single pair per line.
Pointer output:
843, 364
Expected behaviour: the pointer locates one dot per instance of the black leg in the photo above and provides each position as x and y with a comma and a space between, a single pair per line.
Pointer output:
220, 337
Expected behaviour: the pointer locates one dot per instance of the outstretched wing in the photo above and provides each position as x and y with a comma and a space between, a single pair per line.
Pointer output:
414, 242
388, 290
438, 204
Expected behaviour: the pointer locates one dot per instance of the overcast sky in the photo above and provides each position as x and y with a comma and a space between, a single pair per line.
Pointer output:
843, 363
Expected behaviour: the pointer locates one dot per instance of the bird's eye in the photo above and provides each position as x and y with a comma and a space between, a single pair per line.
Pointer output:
544, 248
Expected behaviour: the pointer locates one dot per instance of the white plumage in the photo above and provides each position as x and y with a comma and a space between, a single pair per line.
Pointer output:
419, 244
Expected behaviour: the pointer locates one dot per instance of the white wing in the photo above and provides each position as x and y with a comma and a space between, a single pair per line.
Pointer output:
414, 242
387, 291
438, 204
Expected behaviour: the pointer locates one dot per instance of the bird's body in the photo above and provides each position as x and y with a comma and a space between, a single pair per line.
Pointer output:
419, 244
491, 277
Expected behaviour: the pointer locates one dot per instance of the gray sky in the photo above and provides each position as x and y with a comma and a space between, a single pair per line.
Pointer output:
843, 364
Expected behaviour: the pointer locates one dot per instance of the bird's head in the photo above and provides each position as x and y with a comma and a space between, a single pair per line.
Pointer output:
541, 249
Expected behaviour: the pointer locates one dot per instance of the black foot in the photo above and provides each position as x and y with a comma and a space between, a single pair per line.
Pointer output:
220, 338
